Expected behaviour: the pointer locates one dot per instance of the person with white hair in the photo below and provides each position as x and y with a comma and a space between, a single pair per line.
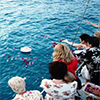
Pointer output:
97, 34
17, 84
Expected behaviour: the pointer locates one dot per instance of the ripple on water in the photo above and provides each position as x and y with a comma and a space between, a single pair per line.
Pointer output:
37, 24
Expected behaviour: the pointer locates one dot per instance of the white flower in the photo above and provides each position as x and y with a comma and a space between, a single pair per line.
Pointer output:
96, 59
92, 49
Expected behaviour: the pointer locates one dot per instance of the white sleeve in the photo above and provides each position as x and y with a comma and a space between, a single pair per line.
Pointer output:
43, 83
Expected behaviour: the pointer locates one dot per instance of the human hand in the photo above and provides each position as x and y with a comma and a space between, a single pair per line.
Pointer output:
96, 92
80, 47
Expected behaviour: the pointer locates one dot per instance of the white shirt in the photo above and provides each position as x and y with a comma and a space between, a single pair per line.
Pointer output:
65, 91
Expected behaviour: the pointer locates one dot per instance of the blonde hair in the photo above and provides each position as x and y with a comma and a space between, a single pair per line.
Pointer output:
97, 34
69, 77
62, 51
17, 84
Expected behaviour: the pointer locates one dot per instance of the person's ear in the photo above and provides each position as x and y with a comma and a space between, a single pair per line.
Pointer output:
83, 41
90, 45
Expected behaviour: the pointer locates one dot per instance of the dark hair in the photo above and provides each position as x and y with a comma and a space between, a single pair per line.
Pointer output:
84, 37
94, 41
58, 69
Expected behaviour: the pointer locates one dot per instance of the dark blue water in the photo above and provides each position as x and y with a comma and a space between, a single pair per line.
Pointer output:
38, 24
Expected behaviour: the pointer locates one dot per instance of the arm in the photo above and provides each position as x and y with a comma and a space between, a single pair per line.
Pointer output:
86, 47
73, 44
92, 24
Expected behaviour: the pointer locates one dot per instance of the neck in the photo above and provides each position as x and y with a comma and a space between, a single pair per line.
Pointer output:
22, 93
58, 81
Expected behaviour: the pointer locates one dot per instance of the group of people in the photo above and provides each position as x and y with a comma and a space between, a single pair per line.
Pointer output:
90, 54
64, 82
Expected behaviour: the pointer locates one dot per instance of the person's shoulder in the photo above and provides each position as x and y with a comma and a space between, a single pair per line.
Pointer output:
98, 48
73, 84
17, 97
75, 58
35, 94
46, 81
94, 49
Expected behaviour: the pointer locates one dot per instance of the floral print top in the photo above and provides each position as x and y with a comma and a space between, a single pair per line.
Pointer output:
29, 95
92, 60
65, 91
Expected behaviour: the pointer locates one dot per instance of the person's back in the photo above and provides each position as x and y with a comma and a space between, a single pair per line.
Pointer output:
58, 88
29, 95
63, 53
92, 59
18, 85
59, 91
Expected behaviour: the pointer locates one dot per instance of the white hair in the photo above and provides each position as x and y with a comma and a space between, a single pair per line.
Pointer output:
17, 84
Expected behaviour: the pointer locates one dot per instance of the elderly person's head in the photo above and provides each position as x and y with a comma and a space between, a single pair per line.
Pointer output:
17, 84
62, 51
97, 34
57, 70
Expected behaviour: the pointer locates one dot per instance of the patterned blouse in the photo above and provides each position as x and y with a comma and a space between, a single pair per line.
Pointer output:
65, 91
92, 60
29, 95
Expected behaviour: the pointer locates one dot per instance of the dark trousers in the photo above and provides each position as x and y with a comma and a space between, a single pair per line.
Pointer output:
79, 83
96, 79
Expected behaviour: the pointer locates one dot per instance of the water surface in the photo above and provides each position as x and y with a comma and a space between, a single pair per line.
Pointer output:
38, 24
